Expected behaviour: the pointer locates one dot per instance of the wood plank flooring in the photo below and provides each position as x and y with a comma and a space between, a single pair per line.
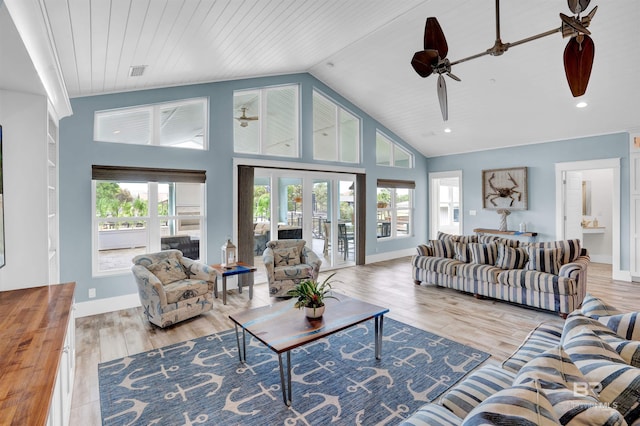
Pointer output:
492, 326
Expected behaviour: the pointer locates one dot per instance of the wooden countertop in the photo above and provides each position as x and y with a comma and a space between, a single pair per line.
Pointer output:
498, 232
33, 325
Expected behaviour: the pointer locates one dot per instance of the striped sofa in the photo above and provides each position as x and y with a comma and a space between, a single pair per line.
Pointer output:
585, 372
546, 275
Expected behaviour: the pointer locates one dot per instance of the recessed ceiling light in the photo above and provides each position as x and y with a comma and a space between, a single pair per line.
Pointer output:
115, 132
447, 130
581, 104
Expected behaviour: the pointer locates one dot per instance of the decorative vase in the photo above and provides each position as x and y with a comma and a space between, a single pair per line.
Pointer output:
314, 312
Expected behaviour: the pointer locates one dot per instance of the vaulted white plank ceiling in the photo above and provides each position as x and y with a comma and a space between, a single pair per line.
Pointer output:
362, 49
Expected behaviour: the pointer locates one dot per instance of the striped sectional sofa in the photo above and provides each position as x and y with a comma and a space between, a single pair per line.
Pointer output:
586, 372
547, 275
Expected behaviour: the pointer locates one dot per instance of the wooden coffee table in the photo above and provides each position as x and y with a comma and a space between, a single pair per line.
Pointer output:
282, 328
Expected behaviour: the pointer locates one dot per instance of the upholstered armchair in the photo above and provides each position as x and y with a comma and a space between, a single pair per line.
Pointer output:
173, 288
288, 262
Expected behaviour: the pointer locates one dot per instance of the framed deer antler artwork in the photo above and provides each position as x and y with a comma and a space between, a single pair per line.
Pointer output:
504, 189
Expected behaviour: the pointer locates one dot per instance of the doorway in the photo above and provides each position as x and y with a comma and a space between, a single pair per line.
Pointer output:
318, 207
445, 202
588, 207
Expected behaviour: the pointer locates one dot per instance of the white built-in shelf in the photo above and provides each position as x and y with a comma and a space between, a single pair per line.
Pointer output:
593, 230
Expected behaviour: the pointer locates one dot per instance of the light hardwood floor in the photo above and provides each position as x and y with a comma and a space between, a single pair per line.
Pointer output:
492, 326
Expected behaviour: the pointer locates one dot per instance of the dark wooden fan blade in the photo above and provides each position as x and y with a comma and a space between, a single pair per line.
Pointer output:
578, 6
578, 61
422, 62
442, 97
434, 37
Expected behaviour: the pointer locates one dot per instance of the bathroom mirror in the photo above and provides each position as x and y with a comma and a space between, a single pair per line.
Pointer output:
586, 198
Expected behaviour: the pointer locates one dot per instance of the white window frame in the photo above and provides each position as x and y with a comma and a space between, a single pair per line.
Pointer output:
392, 209
262, 121
393, 146
153, 225
154, 125
338, 132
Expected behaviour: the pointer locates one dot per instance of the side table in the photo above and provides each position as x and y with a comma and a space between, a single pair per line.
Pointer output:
240, 268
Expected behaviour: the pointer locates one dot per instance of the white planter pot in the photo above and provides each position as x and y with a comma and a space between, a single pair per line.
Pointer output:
314, 312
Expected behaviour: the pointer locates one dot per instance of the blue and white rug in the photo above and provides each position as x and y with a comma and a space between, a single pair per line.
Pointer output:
336, 380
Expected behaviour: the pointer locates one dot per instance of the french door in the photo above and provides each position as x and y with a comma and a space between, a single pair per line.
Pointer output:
317, 207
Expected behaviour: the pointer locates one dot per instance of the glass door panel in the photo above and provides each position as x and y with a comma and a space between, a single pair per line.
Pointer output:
321, 218
290, 212
261, 213
345, 226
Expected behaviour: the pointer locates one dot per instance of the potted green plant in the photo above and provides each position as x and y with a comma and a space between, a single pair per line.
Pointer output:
311, 295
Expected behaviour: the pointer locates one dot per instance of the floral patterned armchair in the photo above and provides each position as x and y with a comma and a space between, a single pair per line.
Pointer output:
173, 288
288, 262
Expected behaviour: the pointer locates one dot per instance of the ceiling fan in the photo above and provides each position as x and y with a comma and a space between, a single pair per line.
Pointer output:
243, 119
578, 54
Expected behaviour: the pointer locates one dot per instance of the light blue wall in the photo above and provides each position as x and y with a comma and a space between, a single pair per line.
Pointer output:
540, 160
78, 152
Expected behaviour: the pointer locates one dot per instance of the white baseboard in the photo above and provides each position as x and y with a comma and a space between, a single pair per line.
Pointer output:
619, 275
390, 255
100, 306
601, 258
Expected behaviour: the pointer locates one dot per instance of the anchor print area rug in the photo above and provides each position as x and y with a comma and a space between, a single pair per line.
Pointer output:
336, 380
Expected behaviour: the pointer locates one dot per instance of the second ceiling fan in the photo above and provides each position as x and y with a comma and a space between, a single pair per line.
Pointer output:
578, 54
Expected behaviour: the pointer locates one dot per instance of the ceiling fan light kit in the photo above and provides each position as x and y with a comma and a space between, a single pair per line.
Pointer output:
244, 119
578, 54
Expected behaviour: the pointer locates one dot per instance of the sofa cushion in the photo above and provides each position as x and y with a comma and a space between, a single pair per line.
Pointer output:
287, 256
168, 270
511, 258
565, 386
538, 281
432, 415
301, 270
437, 264
594, 307
185, 289
475, 388
442, 248
487, 273
544, 260
617, 383
542, 338
484, 254
570, 248
462, 252
517, 405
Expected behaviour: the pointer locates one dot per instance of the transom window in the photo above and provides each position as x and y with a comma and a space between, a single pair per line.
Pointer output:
336, 132
389, 153
395, 208
181, 124
266, 121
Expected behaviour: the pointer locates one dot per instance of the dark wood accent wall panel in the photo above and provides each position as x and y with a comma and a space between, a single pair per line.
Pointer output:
245, 219
361, 217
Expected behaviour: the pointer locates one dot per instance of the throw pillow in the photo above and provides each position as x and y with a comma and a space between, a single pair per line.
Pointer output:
442, 248
544, 260
616, 383
517, 405
570, 248
594, 307
484, 254
168, 271
286, 256
573, 401
629, 350
462, 252
486, 239
624, 325
457, 238
424, 250
511, 258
